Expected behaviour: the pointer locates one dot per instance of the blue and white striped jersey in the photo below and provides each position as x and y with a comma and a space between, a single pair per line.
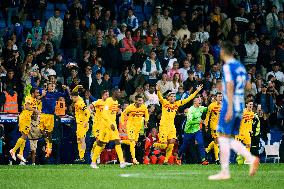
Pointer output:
234, 71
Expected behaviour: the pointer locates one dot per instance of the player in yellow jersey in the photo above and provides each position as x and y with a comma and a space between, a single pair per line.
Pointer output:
211, 121
109, 130
31, 107
167, 130
246, 128
98, 107
135, 113
82, 115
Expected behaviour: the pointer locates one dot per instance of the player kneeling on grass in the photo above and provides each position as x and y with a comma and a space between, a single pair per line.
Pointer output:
31, 106
135, 113
82, 115
192, 129
108, 130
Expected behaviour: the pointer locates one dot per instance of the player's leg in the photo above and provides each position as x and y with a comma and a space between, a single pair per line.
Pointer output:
210, 147
49, 129
199, 138
216, 150
33, 146
185, 143
171, 143
163, 138
81, 134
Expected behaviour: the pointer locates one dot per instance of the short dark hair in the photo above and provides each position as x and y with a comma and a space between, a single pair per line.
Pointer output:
74, 93
104, 91
33, 90
228, 47
218, 93
138, 96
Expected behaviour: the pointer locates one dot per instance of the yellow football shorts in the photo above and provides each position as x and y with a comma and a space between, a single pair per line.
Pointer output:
81, 130
107, 134
25, 121
133, 130
166, 133
46, 122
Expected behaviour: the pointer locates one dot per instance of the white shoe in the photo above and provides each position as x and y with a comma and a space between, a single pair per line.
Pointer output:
33, 164
94, 165
21, 157
219, 176
253, 167
13, 155
125, 164
22, 163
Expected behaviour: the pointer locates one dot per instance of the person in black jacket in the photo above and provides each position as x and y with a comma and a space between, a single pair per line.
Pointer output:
113, 59
98, 85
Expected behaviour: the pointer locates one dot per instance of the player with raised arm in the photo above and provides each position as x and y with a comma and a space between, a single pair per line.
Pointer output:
167, 129
135, 113
234, 81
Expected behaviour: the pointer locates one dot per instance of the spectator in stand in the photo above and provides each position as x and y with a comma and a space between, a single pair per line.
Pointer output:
174, 70
122, 33
87, 78
127, 48
169, 59
183, 33
165, 23
98, 85
184, 70
156, 16
55, 25
241, 20
36, 32
152, 68
277, 73
131, 20
76, 10
98, 66
152, 96
139, 91
205, 59
202, 35
176, 82
251, 51
164, 84
272, 22
113, 59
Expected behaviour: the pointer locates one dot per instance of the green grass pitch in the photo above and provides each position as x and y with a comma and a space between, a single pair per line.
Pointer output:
136, 177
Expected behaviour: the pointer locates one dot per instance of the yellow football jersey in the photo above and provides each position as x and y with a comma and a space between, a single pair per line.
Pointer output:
110, 110
169, 110
135, 114
82, 113
99, 107
246, 124
212, 116
34, 103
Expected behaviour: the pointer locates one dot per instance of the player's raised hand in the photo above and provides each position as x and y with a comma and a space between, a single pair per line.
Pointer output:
199, 87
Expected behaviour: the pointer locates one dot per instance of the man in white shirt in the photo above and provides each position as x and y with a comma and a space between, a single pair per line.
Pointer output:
121, 35
184, 70
183, 33
165, 23
276, 73
55, 25
152, 96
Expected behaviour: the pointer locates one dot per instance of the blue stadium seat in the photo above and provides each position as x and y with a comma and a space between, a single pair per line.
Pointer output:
2, 24
115, 81
50, 7
137, 9
61, 6
28, 24
49, 14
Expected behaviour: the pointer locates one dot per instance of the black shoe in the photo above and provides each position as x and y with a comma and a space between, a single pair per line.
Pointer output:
217, 162
79, 161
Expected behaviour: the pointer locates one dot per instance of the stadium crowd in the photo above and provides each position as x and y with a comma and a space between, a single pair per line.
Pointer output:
139, 46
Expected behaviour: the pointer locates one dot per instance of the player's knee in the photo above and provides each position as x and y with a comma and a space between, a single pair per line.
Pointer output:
172, 141
117, 142
24, 136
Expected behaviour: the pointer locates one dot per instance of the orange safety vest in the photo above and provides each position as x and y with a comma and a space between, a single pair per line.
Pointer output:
60, 108
11, 104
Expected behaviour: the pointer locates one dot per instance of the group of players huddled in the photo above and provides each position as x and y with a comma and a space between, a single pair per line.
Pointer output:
135, 115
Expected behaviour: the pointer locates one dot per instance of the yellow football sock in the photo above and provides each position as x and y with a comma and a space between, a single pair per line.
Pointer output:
81, 151
160, 145
169, 152
248, 148
132, 149
18, 144
216, 151
119, 153
127, 142
22, 147
94, 146
210, 146
48, 144
97, 151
